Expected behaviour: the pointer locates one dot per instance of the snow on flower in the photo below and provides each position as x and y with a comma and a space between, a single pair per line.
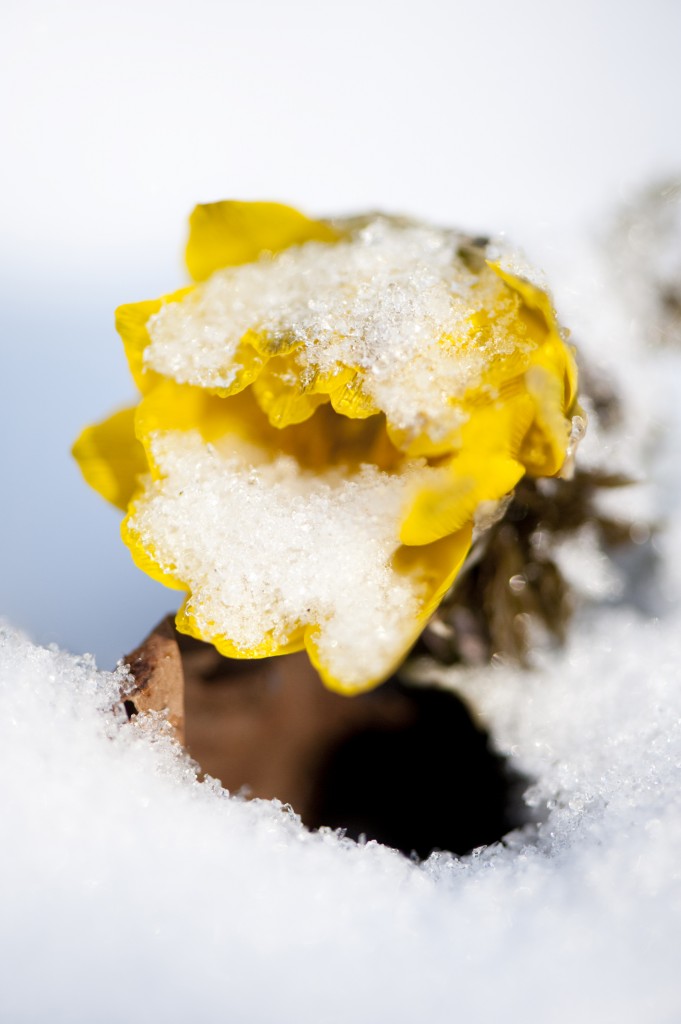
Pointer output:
323, 415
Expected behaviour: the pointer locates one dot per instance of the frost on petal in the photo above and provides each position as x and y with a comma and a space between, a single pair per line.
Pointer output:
267, 548
395, 307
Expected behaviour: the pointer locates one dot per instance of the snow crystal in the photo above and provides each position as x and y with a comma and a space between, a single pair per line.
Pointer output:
394, 300
216, 521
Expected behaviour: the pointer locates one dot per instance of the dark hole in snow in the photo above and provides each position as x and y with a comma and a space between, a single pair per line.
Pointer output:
130, 708
431, 783
404, 765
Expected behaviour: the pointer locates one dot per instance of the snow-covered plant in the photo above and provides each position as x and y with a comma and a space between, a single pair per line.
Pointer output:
327, 417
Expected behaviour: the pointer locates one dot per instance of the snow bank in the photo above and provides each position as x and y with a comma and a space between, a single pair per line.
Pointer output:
133, 892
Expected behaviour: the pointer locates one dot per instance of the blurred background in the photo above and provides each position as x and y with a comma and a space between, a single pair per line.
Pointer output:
533, 118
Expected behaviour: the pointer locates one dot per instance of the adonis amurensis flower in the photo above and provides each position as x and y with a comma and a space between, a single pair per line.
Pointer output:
326, 417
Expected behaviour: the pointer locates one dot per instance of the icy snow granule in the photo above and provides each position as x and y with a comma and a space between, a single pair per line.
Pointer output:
381, 301
217, 518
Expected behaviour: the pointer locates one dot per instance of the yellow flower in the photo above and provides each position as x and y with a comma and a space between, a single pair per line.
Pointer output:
325, 417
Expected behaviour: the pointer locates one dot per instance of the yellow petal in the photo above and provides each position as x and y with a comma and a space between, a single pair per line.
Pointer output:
268, 346
131, 324
545, 445
349, 398
172, 406
247, 363
282, 395
268, 648
559, 353
326, 439
486, 469
433, 567
439, 510
422, 445
228, 233
436, 565
289, 394
144, 558
534, 298
111, 458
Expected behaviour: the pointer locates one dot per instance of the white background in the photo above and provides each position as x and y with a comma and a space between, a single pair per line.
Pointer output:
527, 117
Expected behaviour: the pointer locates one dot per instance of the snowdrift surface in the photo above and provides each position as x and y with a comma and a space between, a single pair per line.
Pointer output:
131, 892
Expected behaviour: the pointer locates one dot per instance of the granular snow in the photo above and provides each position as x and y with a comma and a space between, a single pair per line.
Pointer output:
394, 301
216, 520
